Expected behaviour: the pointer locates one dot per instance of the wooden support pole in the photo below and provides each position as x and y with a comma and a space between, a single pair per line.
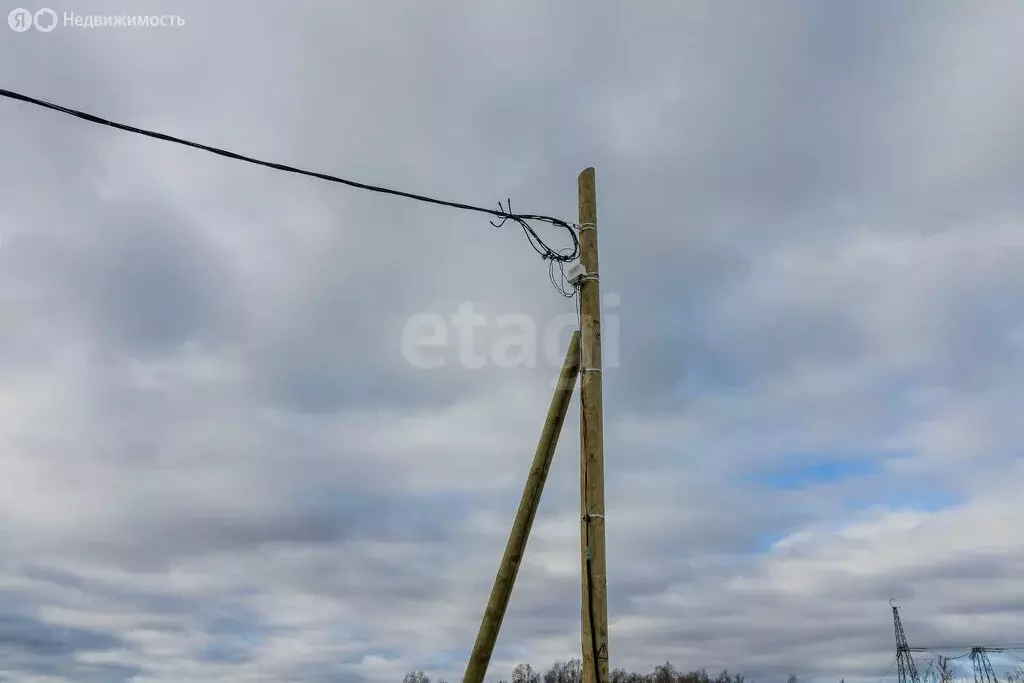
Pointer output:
594, 620
490, 625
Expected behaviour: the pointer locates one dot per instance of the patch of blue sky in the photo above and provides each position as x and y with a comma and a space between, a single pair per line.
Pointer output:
448, 658
810, 470
858, 482
919, 498
225, 652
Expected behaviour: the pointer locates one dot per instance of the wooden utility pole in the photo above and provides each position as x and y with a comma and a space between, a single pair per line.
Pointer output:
594, 569
490, 625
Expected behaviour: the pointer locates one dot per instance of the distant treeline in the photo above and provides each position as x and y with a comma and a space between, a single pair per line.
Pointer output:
571, 671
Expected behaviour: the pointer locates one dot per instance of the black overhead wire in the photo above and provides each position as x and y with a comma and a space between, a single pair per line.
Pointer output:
561, 281
595, 653
559, 256
977, 654
892, 668
988, 648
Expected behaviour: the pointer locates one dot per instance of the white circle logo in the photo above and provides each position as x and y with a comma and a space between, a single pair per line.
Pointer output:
46, 20
20, 20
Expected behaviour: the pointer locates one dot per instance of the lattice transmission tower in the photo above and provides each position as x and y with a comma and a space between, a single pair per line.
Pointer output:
983, 671
904, 659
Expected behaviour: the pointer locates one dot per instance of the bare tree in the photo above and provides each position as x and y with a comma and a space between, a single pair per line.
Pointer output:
696, 676
570, 671
664, 673
524, 673
945, 670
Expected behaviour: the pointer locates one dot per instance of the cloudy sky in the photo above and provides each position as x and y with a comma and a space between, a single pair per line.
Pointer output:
217, 464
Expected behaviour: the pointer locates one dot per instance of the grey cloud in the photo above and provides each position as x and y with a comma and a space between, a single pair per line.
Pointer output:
38, 638
30, 647
158, 289
213, 414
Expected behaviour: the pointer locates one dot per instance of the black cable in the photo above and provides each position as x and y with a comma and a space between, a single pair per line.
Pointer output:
590, 582
990, 648
561, 282
892, 666
546, 252
586, 513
